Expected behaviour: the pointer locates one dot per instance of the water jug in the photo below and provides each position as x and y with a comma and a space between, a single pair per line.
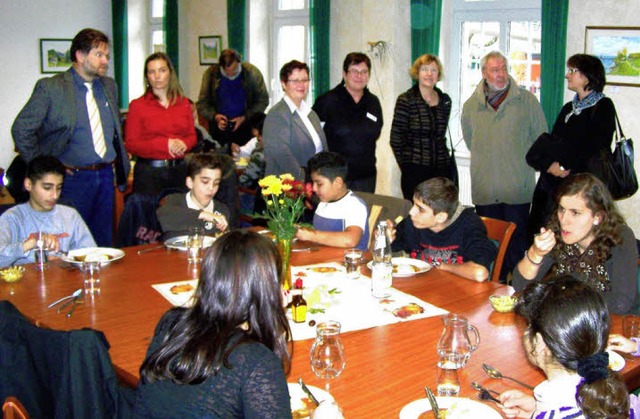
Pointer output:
455, 343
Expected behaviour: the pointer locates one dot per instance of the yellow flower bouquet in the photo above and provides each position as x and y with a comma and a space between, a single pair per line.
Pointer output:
285, 198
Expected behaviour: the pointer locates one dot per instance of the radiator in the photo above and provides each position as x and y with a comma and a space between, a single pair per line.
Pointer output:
464, 185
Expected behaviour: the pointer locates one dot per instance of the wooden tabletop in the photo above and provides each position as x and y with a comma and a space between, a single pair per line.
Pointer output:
387, 367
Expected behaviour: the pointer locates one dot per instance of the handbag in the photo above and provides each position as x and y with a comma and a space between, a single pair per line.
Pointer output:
620, 175
452, 168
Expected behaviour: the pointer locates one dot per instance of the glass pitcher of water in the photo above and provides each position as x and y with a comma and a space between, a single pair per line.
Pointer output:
327, 353
455, 343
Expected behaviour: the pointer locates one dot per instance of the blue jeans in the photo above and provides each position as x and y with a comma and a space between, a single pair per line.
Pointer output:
91, 193
518, 214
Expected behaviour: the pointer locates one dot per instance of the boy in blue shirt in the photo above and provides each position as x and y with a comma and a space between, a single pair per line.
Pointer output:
340, 219
65, 230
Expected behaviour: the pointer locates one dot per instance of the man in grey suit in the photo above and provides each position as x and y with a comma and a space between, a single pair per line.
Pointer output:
292, 132
74, 116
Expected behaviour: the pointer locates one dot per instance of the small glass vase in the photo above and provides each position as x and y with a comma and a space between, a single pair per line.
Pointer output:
284, 247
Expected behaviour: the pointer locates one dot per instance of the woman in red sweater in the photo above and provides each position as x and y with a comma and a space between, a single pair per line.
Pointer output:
159, 129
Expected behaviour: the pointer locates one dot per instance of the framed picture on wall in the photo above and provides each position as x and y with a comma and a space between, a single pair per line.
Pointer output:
619, 50
54, 55
210, 48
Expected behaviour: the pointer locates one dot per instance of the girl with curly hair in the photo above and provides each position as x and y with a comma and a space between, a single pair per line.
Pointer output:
586, 238
566, 337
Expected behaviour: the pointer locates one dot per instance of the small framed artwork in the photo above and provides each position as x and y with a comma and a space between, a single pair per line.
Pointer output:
54, 55
619, 50
210, 48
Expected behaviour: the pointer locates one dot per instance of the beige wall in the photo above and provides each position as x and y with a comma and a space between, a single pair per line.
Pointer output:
614, 13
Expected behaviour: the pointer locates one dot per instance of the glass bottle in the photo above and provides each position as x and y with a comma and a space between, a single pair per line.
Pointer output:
298, 303
327, 353
382, 268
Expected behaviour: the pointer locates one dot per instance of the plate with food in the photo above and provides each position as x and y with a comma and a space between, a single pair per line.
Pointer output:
616, 361
319, 270
180, 242
301, 405
406, 266
450, 408
104, 255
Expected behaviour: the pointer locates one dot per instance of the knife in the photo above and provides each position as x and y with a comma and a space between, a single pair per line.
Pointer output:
308, 392
433, 402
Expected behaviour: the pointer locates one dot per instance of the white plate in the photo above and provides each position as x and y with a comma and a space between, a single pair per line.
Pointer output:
296, 394
180, 242
477, 410
421, 265
114, 254
616, 361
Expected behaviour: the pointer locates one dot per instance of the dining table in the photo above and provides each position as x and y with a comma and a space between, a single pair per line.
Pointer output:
387, 366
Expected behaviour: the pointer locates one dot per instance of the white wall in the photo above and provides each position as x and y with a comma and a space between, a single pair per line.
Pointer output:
22, 24
618, 13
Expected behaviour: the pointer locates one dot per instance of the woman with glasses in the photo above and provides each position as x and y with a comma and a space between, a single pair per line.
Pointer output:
418, 131
580, 140
292, 133
352, 121
227, 355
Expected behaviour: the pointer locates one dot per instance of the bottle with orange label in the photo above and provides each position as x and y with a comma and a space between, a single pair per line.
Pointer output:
298, 303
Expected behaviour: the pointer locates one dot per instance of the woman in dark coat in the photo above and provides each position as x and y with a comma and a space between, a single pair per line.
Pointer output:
580, 140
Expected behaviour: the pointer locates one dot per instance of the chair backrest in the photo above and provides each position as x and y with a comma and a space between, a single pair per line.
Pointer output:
500, 232
383, 207
13, 409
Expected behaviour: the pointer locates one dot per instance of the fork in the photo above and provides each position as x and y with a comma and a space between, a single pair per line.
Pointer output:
485, 395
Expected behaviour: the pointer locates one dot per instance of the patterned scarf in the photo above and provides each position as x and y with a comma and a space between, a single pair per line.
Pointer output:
580, 105
495, 96
569, 260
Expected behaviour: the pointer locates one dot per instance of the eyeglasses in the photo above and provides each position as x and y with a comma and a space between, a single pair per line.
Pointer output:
298, 81
572, 70
356, 72
425, 69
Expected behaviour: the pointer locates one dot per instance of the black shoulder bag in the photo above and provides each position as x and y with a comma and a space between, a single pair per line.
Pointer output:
621, 177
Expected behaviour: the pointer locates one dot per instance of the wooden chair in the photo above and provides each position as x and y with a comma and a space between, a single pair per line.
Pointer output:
383, 207
500, 232
13, 409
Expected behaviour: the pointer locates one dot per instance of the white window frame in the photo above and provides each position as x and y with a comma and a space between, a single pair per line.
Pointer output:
155, 24
297, 17
501, 11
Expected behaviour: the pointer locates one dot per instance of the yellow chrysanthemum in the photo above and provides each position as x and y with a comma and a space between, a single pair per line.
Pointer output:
268, 181
269, 203
287, 187
286, 176
281, 202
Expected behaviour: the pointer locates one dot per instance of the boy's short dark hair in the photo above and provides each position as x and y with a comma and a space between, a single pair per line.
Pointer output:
197, 162
438, 193
256, 121
328, 164
41, 166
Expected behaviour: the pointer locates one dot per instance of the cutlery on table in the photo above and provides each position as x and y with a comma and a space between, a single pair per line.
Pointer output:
484, 395
75, 294
624, 354
478, 387
308, 392
433, 402
150, 249
73, 307
494, 373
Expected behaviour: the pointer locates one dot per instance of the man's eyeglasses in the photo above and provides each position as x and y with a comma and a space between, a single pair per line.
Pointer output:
572, 70
298, 81
356, 72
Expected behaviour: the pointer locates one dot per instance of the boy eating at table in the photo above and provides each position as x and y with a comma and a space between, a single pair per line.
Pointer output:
196, 208
62, 226
444, 233
340, 219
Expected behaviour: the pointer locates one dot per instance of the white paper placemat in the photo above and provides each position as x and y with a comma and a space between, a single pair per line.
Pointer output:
350, 302
178, 293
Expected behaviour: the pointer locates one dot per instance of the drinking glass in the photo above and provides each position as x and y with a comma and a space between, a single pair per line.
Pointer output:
327, 353
91, 273
447, 380
352, 261
631, 326
41, 256
194, 245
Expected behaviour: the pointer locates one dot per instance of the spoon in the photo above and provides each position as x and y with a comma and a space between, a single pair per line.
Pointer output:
494, 373
480, 388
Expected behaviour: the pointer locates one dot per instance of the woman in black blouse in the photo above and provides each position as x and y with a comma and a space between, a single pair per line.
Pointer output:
580, 140
419, 126
226, 356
